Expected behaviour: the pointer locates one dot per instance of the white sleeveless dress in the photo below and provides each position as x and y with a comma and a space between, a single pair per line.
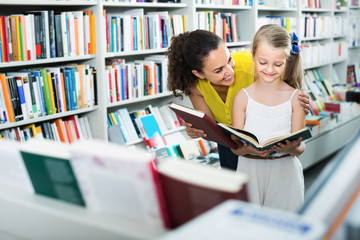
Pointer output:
277, 183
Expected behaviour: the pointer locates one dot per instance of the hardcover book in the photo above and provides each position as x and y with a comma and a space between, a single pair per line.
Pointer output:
190, 189
48, 165
202, 121
250, 138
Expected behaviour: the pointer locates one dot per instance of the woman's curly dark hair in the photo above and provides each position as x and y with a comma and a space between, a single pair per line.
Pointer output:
186, 53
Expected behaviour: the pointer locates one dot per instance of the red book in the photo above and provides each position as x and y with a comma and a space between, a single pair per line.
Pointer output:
76, 126
201, 120
190, 189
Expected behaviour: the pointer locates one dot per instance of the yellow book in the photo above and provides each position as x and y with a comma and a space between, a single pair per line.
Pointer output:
113, 118
184, 22
32, 128
21, 58
51, 90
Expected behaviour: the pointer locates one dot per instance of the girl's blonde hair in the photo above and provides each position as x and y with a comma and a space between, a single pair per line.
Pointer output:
278, 37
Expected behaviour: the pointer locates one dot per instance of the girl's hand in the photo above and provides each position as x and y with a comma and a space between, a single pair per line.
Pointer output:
245, 148
304, 101
193, 132
288, 147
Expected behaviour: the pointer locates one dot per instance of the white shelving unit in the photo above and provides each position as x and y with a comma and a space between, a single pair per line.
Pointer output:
58, 220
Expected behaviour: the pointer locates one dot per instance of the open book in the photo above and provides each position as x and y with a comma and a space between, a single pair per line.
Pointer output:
250, 138
201, 120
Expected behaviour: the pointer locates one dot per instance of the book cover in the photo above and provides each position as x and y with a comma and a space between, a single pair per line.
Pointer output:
12, 171
235, 219
253, 140
118, 181
50, 171
191, 189
202, 121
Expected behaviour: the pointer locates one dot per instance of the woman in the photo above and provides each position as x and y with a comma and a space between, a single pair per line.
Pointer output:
201, 67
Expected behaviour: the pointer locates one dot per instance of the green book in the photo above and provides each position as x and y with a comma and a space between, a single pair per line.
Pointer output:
47, 95
50, 171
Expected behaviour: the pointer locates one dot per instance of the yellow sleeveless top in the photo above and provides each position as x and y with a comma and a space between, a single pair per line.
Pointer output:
243, 77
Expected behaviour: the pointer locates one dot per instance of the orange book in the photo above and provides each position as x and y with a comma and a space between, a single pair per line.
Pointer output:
61, 130
92, 34
7, 97
69, 132
77, 49
202, 147
14, 38
23, 37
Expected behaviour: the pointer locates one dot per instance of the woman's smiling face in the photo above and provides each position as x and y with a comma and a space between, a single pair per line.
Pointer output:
218, 67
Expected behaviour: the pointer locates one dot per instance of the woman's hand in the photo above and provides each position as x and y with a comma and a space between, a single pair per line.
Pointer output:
304, 101
245, 148
193, 132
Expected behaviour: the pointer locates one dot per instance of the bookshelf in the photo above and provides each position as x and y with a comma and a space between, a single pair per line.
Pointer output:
247, 16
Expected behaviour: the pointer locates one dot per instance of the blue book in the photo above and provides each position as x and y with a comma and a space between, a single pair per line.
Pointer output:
150, 126
39, 78
69, 74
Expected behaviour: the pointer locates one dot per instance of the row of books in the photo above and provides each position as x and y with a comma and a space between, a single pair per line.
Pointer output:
354, 28
39, 92
118, 181
143, 1
311, 4
129, 80
225, 2
314, 25
277, 4
46, 34
223, 24
327, 107
133, 30
67, 130
147, 123
317, 53
289, 23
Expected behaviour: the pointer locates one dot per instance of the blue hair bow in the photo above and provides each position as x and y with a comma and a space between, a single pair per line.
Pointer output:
295, 49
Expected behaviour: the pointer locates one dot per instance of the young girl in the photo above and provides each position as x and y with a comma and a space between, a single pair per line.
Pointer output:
269, 108
201, 67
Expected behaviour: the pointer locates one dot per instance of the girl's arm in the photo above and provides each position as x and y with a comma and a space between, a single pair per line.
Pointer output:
198, 103
238, 121
297, 147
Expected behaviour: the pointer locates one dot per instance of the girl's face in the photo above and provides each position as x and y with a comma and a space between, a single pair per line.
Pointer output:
269, 63
218, 67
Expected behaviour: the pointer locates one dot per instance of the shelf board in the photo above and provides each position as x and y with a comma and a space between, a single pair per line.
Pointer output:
133, 53
141, 99
46, 118
238, 44
316, 66
45, 61
316, 10
277, 9
49, 3
316, 38
215, 7
146, 5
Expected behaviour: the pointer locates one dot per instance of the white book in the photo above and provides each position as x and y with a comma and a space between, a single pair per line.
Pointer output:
12, 169
30, 36
117, 181
234, 219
